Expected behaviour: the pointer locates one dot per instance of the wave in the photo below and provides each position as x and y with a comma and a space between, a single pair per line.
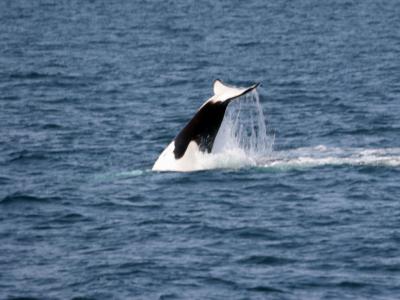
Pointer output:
17, 197
25, 155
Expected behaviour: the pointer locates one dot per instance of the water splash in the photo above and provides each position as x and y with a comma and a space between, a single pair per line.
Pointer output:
243, 131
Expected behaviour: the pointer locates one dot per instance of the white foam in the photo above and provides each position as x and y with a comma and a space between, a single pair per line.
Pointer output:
229, 159
323, 156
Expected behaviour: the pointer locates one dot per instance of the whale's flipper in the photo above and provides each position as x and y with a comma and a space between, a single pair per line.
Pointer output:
199, 134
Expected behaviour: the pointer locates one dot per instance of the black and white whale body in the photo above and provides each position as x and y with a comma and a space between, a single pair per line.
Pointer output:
198, 136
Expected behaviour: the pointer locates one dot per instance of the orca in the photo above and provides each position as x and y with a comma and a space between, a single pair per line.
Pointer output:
198, 136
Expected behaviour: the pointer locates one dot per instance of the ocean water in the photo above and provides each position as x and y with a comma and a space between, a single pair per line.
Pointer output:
92, 91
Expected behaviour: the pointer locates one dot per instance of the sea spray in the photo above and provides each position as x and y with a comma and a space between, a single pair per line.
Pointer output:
244, 129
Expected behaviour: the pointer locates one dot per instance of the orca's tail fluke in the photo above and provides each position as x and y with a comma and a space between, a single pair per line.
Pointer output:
223, 92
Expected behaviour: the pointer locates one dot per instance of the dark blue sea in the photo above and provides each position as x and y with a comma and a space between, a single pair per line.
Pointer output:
91, 92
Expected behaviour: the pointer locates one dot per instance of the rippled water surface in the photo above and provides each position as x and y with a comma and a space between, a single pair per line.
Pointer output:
92, 91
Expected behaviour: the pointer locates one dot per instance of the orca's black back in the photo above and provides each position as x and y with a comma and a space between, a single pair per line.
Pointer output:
202, 128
